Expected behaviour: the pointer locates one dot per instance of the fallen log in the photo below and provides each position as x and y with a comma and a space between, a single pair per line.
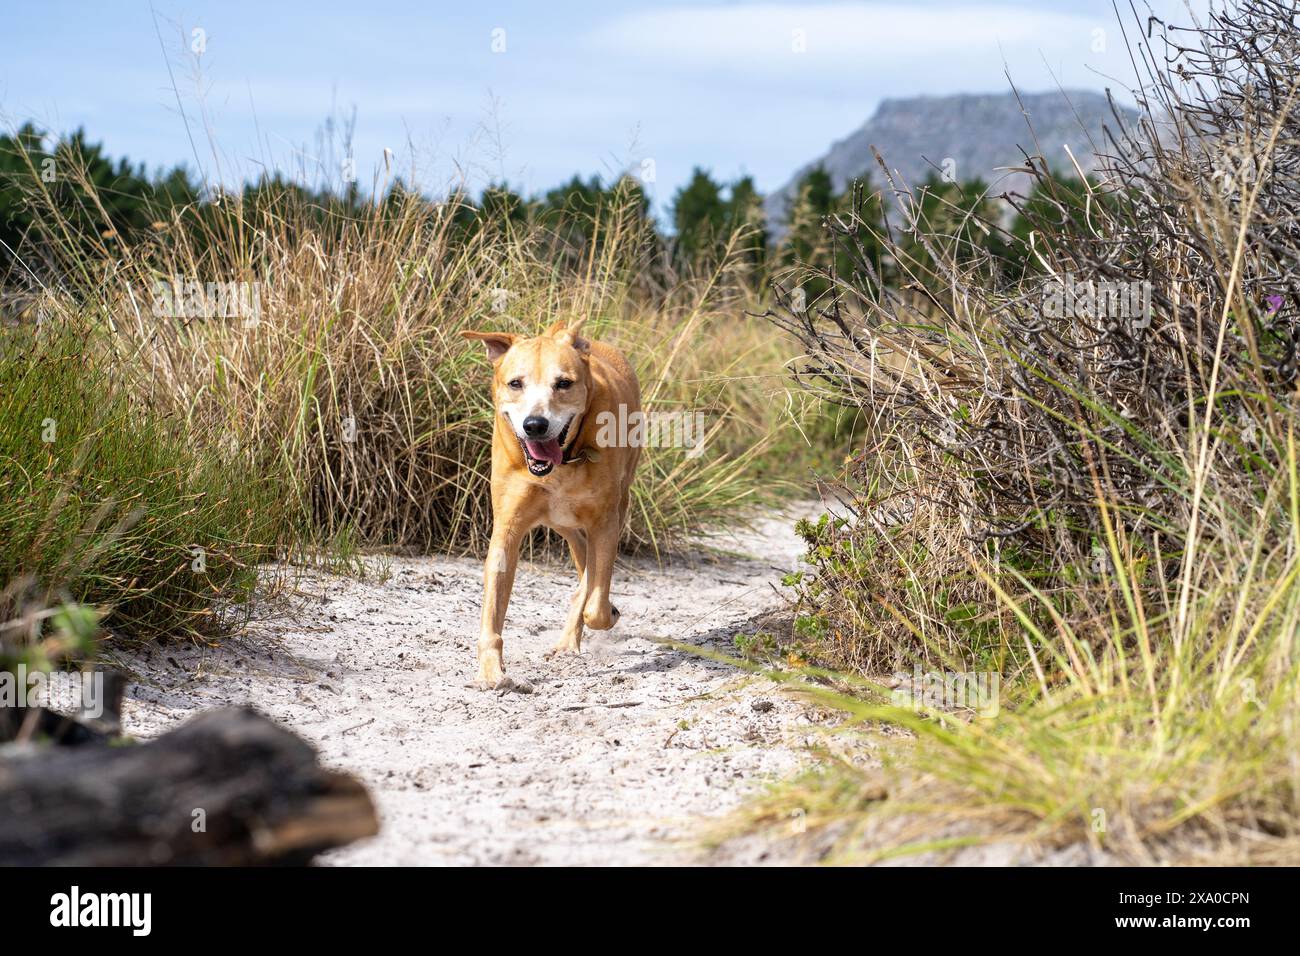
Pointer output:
229, 787
42, 724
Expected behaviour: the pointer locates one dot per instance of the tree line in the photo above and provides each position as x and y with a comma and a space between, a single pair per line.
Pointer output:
103, 202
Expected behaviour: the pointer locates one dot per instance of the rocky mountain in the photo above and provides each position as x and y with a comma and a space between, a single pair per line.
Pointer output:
970, 134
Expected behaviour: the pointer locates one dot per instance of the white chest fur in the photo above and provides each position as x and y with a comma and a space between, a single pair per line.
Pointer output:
568, 505
560, 512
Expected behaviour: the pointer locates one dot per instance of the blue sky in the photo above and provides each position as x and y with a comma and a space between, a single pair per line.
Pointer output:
526, 92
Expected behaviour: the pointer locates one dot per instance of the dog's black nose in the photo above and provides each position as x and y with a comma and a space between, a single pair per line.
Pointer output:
535, 426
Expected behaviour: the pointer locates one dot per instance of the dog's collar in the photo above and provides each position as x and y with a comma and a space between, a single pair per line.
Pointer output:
572, 456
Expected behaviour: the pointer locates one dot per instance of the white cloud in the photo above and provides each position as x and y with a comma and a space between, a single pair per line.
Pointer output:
763, 39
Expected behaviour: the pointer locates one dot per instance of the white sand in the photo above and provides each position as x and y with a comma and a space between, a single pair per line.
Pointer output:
618, 757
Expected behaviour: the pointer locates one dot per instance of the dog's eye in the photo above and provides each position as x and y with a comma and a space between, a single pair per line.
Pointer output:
516, 383
563, 383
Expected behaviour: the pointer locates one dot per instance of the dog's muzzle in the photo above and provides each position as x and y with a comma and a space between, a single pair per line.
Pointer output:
543, 454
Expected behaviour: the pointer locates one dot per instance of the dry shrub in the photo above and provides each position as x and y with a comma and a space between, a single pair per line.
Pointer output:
1029, 431
1113, 495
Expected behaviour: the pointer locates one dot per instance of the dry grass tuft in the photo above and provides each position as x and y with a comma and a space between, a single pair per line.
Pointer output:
1099, 506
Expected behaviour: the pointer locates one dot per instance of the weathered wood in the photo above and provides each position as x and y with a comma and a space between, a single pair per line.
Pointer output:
22, 723
42, 725
112, 687
227, 788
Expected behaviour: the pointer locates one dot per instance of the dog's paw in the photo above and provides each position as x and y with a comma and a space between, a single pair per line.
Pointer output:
490, 669
601, 620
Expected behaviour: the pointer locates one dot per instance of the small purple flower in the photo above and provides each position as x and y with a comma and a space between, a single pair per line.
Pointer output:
1274, 303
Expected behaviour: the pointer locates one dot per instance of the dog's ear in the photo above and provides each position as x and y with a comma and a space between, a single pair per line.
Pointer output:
577, 342
567, 334
496, 343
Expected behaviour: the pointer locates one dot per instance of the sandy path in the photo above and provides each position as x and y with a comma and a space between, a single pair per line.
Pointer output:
614, 759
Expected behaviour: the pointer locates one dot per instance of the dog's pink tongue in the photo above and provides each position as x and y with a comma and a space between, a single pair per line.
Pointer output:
546, 451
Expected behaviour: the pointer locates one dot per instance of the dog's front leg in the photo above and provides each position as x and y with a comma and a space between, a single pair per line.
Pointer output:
570, 641
602, 549
498, 579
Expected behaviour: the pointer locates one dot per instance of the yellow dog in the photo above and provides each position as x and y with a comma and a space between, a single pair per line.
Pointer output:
551, 393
